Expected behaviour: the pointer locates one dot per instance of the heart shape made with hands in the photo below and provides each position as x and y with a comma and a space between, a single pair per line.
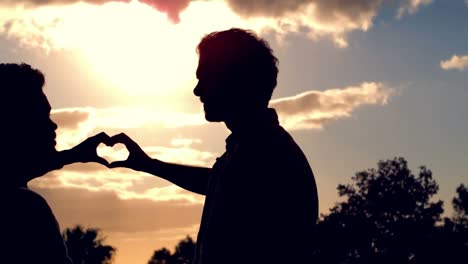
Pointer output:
112, 151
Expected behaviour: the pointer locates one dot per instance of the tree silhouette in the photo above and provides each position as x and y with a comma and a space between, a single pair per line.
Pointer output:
184, 253
86, 246
452, 237
386, 217
161, 256
460, 206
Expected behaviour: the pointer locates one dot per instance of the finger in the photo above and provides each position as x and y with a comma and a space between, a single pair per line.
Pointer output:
102, 137
102, 161
126, 140
117, 164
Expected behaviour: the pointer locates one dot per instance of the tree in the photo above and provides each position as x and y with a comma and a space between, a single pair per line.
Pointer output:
184, 253
386, 217
161, 256
86, 246
452, 242
460, 206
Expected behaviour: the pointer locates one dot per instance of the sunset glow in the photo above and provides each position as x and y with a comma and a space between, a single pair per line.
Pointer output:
114, 39
358, 81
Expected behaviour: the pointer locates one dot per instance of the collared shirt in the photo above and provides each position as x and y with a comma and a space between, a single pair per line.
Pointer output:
261, 203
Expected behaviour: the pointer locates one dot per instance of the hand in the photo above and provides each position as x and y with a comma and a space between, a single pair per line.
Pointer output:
83, 152
86, 151
137, 158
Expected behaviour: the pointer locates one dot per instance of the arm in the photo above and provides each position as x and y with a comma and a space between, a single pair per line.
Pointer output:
83, 152
191, 178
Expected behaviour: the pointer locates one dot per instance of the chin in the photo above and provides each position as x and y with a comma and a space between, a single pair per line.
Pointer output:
217, 112
213, 118
50, 151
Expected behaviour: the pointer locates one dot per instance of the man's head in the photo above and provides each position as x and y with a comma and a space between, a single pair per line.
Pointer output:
27, 132
236, 73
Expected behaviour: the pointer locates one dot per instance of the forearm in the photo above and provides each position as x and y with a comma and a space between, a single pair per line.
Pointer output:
191, 178
65, 157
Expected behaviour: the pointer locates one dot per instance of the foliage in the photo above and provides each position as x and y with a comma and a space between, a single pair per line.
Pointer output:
460, 206
387, 216
86, 246
184, 253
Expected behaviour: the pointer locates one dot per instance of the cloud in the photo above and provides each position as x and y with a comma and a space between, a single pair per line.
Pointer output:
316, 18
171, 8
124, 183
313, 109
332, 19
71, 118
76, 124
456, 62
184, 154
106, 210
411, 6
308, 110
136, 227
325, 10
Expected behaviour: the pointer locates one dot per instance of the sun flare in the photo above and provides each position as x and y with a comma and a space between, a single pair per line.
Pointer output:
130, 45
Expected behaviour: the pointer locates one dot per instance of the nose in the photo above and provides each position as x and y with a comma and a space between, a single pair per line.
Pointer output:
196, 90
53, 125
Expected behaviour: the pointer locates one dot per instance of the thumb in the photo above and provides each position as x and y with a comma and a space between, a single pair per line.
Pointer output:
117, 164
102, 161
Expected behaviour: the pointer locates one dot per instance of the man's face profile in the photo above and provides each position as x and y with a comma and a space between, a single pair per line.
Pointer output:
216, 89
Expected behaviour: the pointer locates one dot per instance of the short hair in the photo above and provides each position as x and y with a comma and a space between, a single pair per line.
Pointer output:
252, 57
21, 87
20, 79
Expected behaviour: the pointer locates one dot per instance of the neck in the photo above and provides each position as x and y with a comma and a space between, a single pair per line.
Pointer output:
13, 179
14, 184
244, 119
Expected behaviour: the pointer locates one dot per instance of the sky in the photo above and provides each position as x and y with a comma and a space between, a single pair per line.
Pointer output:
359, 81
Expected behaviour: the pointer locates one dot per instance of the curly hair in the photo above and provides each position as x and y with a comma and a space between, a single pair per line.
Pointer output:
20, 79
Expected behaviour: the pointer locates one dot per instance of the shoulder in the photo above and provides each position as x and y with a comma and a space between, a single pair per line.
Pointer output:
280, 143
25, 202
27, 210
28, 196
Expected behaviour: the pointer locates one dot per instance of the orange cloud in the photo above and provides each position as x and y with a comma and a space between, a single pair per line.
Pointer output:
456, 62
106, 210
124, 183
136, 227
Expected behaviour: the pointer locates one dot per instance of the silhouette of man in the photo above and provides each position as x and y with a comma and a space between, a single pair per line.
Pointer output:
261, 203
29, 229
